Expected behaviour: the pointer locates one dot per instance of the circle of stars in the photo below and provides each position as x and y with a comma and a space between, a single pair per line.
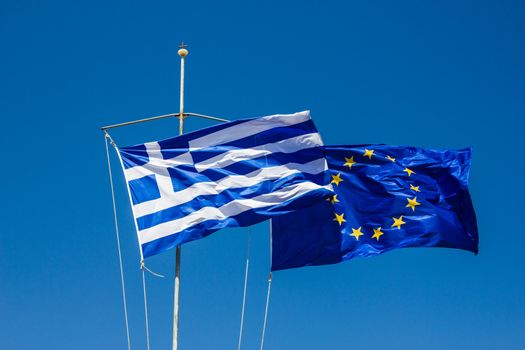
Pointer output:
397, 222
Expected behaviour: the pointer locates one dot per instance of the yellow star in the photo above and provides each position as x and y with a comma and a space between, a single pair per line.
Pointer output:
349, 162
390, 159
412, 203
356, 233
368, 153
409, 171
340, 218
333, 199
377, 233
414, 188
336, 179
398, 222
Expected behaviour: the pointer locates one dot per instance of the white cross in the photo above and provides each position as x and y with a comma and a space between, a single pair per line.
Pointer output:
158, 167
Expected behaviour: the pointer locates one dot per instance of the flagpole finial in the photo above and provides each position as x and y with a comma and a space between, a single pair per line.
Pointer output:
182, 50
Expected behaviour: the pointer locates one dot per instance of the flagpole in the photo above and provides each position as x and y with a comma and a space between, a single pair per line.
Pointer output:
182, 53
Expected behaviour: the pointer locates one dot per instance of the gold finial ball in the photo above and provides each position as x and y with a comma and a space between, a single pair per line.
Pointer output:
183, 53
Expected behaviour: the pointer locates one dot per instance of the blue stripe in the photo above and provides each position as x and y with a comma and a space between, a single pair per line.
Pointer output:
247, 218
170, 153
223, 198
174, 146
302, 156
275, 134
134, 156
186, 175
262, 138
202, 132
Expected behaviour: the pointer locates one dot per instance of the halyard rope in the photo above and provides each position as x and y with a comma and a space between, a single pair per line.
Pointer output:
106, 138
245, 287
269, 287
266, 309
145, 305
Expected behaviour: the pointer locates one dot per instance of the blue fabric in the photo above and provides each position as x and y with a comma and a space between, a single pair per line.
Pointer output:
373, 192
144, 189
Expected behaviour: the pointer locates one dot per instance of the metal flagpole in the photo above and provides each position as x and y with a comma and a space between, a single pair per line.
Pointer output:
182, 53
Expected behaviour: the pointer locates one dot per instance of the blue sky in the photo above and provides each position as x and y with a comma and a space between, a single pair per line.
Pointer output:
441, 74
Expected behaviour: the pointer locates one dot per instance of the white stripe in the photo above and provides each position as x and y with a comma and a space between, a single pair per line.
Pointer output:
157, 165
230, 182
290, 145
248, 128
228, 210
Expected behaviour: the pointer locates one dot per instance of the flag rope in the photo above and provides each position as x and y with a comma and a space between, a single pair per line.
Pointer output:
269, 288
245, 287
266, 309
145, 305
106, 139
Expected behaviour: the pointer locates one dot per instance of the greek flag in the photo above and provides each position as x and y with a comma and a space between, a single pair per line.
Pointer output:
233, 174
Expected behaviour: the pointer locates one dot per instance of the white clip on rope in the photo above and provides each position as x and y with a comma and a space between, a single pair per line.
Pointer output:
144, 267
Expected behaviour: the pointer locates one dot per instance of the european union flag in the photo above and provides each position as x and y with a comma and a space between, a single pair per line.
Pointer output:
386, 197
